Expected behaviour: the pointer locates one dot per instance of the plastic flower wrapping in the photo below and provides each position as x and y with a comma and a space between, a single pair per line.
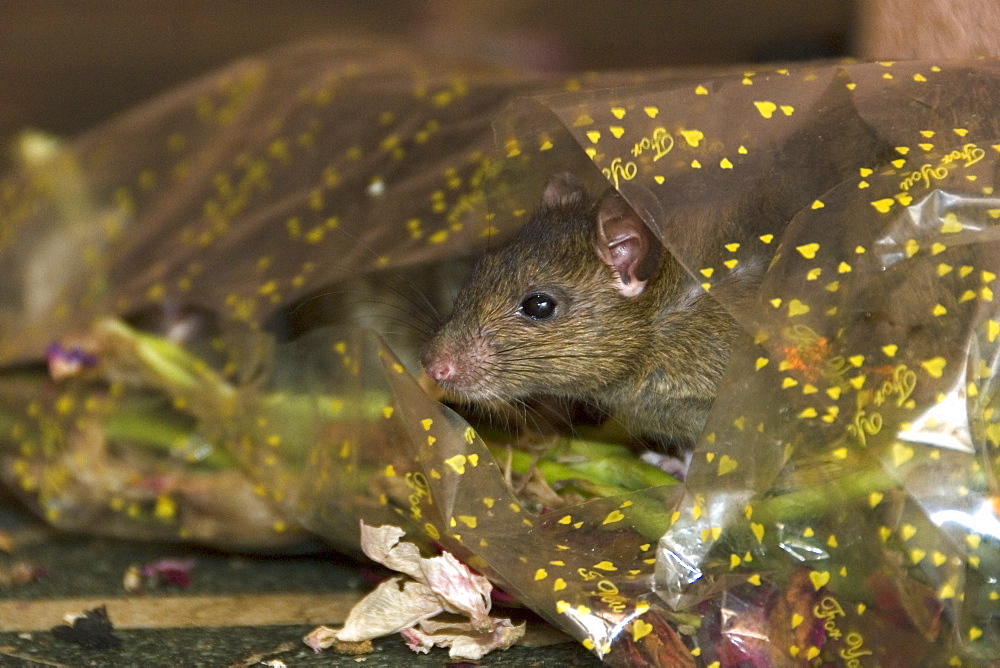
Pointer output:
212, 309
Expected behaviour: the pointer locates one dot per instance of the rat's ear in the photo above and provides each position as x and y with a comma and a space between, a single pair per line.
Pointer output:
563, 189
626, 244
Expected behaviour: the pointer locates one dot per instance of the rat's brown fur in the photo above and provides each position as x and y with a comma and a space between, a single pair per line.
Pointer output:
653, 360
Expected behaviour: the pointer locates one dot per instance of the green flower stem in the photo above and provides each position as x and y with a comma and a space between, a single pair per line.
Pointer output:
820, 496
816, 499
166, 360
161, 429
600, 479
616, 465
370, 407
521, 462
605, 475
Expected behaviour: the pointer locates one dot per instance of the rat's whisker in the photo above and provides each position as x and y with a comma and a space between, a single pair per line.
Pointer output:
520, 347
300, 305
369, 307
563, 416
407, 326
407, 292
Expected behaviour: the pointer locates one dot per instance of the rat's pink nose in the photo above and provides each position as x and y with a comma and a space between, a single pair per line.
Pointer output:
441, 369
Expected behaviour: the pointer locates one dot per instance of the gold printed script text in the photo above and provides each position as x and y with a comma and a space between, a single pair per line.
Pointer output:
660, 142
969, 155
619, 171
419, 490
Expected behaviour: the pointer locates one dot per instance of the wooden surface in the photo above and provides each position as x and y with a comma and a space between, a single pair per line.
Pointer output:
165, 612
239, 610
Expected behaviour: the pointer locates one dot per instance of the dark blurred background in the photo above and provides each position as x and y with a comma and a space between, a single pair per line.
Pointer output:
66, 65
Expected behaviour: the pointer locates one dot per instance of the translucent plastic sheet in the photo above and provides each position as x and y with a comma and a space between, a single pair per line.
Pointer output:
197, 268
843, 499
210, 217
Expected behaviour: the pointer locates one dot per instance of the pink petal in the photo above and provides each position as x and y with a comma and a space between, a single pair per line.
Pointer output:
460, 589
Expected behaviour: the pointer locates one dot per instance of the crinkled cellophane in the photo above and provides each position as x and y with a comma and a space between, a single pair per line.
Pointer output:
203, 263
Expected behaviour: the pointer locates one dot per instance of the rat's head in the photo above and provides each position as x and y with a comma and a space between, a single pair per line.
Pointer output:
564, 308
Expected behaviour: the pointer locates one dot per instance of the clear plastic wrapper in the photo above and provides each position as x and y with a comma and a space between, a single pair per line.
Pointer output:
842, 504
209, 218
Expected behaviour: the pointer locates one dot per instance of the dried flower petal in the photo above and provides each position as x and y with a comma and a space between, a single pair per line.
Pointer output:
174, 572
320, 638
399, 604
392, 606
465, 642
382, 544
67, 362
459, 589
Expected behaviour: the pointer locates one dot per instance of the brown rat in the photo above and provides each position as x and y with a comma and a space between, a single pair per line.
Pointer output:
585, 303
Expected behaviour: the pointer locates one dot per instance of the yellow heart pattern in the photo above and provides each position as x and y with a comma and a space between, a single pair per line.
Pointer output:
796, 307
819, 579
640, 629
766, 109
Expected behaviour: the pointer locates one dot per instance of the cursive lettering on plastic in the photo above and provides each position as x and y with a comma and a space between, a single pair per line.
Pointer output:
828, 610
865, 425
608, 593
619, 171
853, 652
902, 384
969, 155
898, 387
660, 142
925, 174
419, 491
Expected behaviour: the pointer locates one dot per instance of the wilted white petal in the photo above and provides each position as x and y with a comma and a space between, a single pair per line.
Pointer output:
438, 584
460, 589
392, 606
382, 544
320, 638
417, 641
465, 643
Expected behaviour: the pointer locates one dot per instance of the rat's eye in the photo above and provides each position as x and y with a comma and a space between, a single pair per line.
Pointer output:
538, 306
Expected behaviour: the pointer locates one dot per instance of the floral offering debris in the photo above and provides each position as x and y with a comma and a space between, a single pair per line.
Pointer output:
408, 604
186, 342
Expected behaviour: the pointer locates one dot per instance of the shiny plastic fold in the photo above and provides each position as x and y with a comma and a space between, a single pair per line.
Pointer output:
190, 291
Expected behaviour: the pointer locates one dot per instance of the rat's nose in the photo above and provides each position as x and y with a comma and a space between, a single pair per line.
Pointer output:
440, 369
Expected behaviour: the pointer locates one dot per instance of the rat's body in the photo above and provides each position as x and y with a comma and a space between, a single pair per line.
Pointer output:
585, 304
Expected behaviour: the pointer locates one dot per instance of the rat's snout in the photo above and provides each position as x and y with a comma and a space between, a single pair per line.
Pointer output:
441, 369
459, 367
439, 363
445, 365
